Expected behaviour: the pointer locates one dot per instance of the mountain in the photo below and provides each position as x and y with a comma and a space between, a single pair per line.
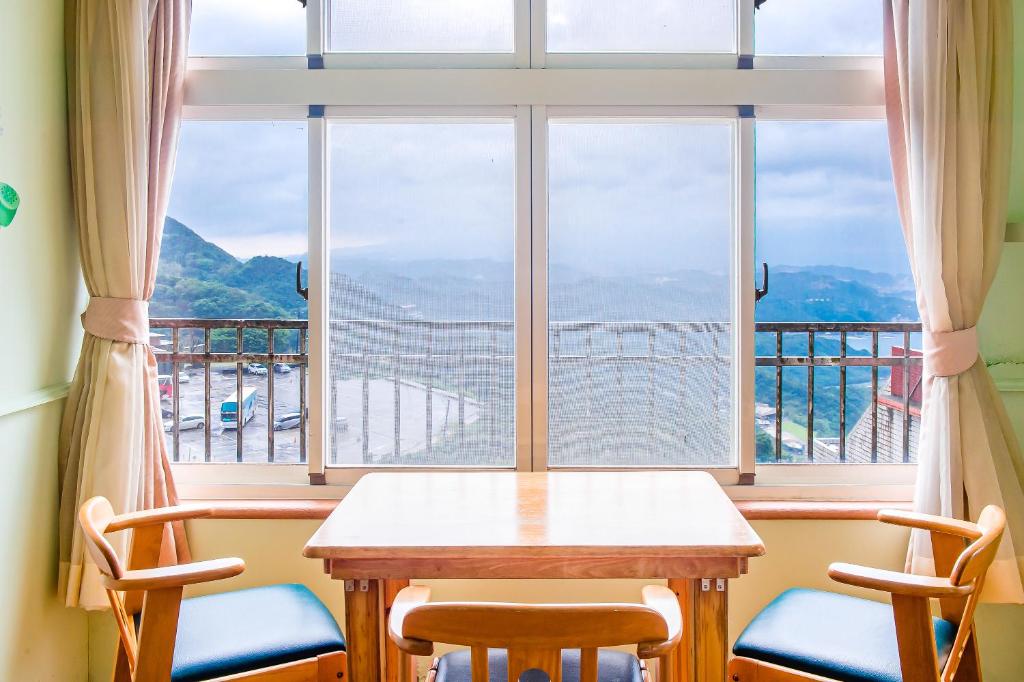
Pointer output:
816, 295
198, 279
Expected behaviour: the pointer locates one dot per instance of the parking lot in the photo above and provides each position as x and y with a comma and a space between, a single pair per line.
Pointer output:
223, 442
347, 429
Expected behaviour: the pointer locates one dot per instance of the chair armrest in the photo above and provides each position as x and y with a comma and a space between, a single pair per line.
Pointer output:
405, 601
894, 582
664, 601
152, 517
939, 524
176, 576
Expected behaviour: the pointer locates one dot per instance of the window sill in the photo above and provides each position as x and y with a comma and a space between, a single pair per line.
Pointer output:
752, 510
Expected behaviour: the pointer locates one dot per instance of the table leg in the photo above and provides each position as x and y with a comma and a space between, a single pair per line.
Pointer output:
363, 629
682, 659
711, 629
397, 668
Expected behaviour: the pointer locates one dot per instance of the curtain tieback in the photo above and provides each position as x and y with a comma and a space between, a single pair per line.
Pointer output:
117, 319
947, 354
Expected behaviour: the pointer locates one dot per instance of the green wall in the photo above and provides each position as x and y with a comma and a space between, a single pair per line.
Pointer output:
40, 284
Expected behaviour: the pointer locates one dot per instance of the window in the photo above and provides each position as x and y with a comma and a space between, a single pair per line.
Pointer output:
813, 27
422, 292
236, 228
230, 28
827, 221
693, 26
640, 227
418, 26
530, 235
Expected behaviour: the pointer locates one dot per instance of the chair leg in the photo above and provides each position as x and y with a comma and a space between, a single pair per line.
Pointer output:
122, 670
332, 667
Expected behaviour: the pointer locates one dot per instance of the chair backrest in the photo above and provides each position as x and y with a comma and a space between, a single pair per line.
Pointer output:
95, 516
534, 634
969, 569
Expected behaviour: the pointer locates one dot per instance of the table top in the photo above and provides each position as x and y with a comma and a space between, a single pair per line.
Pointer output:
470, 515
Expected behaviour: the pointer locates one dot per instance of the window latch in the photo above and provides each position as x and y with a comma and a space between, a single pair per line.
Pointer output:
299, 289
763, 291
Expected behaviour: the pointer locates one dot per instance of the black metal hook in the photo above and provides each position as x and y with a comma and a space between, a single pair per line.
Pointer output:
763, 291
299, 289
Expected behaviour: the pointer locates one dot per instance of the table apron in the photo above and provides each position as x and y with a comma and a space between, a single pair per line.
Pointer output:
536, 568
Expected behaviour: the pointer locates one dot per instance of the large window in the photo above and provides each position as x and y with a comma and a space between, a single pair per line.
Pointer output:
529, 231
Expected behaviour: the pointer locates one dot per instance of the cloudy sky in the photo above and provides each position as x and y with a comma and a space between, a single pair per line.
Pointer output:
623, 195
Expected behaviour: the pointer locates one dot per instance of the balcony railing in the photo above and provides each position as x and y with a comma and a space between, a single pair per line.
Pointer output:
894, 413
458, 374
225, 350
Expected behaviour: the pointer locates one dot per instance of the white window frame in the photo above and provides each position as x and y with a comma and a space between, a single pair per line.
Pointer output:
528, 85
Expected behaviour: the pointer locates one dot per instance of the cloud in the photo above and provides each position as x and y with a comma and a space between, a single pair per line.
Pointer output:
247, 28
425, 190
623, 195
651, 26
825, 196
243, 185
422, 25
819, 27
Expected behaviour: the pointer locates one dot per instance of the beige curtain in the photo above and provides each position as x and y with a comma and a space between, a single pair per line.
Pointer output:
948, 68
125, 65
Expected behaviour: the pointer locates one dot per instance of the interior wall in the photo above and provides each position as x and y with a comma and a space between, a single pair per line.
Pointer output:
40, 283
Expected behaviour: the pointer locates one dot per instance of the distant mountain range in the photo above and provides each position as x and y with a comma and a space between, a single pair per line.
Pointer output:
199, 279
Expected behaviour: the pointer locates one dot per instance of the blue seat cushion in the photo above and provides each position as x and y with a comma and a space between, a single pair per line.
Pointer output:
612, 666
832, 635
233, 632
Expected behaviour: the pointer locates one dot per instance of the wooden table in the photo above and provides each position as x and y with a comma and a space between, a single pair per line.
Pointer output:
672, 525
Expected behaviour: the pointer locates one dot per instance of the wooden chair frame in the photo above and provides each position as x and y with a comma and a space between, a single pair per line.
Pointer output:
534, 635
957, 594
144, 587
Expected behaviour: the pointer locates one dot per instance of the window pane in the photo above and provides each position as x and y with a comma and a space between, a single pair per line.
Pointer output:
235, 229
422, 25
640, 233
649, 26
421, 293
817, 27
247, 28
827, 225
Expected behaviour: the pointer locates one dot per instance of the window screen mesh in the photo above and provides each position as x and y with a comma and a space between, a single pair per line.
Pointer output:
421, 294
640, 340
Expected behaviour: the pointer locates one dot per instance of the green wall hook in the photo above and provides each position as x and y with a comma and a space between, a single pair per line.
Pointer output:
9, 202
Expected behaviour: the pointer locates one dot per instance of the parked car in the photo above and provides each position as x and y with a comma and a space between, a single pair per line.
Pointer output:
257, 369
184, 377
282, 368
191, 422
287, 421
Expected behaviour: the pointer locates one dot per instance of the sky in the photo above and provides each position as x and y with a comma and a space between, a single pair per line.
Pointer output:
623, 195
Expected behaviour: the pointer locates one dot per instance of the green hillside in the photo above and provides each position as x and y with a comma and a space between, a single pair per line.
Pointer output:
199, 279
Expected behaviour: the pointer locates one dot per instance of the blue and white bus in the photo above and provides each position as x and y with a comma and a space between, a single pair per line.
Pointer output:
229, 409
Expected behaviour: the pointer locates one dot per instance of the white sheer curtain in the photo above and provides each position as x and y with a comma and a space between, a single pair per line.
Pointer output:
126, 66
949, 79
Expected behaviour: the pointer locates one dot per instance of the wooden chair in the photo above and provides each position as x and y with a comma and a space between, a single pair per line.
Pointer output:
560, 640
278, 632
816, 635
